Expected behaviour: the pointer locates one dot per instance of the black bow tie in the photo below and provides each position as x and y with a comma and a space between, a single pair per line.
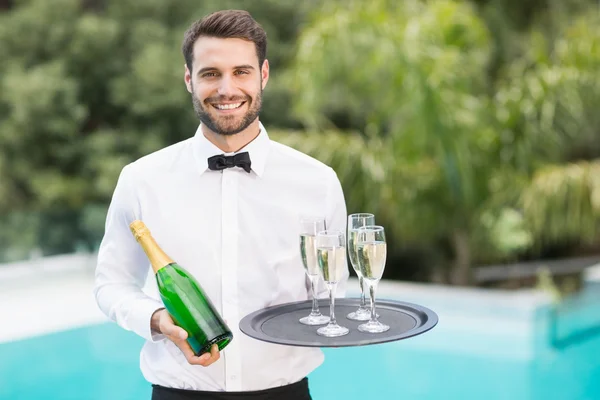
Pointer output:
219, 162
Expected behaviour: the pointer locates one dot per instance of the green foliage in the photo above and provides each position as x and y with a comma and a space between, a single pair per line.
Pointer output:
548, 103
83, 91
361, 173
415, 78
469, 127
420, 70
548, 107
563, 202
378, 56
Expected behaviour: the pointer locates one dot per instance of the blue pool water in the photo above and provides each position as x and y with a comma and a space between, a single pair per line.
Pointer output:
100, 362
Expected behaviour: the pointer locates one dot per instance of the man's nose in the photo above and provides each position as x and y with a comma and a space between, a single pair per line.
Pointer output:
226, 87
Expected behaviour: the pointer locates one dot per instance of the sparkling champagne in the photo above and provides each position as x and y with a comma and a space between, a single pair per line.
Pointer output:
353, 250
309, 254
331, 263
183, 297
371, 259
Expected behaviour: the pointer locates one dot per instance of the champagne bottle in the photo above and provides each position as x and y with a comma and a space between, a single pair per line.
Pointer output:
183, 297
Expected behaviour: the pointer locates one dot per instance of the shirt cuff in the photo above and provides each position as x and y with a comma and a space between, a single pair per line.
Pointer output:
141, 316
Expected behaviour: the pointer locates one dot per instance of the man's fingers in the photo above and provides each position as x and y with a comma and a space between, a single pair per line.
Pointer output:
182, 334
214, 352
175, 333
187, 351
208, 358
205, 359
168, 327
179, 336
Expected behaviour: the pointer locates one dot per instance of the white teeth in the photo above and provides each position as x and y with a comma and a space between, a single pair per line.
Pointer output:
228, 106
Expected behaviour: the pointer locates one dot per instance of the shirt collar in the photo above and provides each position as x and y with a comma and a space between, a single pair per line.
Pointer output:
258, 150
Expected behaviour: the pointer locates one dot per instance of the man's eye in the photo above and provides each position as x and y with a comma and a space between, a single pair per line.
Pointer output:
209, 75
241, 72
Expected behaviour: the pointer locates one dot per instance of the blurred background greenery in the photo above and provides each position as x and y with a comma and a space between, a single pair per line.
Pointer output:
470, 128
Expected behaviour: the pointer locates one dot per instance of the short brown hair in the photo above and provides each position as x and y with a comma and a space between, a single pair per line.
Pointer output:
226, 24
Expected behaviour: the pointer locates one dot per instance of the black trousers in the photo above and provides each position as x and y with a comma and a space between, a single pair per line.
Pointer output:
295, 391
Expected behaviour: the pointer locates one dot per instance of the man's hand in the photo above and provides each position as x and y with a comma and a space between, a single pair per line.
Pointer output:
162, 322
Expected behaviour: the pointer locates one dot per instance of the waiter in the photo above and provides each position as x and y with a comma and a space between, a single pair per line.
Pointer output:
225, 204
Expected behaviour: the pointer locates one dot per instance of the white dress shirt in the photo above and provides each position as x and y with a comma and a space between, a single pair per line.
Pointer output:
237, 233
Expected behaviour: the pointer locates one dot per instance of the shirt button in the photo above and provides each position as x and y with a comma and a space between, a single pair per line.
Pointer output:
233, 377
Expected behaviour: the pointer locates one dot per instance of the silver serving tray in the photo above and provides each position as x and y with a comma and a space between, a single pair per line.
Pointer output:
279, 324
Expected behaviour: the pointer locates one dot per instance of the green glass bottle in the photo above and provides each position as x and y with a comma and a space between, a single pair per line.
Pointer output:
183, 297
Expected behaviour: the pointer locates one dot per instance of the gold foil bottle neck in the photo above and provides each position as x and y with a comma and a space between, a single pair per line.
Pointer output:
157, 257
139, 229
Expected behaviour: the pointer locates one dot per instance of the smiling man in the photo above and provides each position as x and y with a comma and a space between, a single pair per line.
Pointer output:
227, 96
226, 205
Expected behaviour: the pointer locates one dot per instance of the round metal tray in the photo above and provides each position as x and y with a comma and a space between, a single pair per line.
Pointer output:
279, 324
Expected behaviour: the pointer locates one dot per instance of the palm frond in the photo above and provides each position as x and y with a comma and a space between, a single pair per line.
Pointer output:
563, 202
358, 162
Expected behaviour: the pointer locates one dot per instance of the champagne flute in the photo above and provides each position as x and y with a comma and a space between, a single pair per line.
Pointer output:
356, 221
372, 253
331, 254
309, 227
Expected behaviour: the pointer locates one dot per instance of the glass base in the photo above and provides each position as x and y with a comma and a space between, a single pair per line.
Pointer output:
373, 327
333, 330
314, 319
362, 314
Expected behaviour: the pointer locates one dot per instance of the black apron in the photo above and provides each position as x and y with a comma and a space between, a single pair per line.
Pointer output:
295, 391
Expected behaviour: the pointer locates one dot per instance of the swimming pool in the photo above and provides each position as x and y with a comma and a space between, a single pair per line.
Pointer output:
490, 352
101, 362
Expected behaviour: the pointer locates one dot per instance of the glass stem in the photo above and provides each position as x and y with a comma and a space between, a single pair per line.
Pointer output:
362, 292
332, 287
372, 293
315, 303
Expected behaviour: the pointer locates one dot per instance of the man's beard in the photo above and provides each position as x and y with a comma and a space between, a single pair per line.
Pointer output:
227, 125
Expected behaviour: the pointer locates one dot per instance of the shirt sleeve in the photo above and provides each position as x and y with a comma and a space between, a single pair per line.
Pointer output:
122, 265
336, 219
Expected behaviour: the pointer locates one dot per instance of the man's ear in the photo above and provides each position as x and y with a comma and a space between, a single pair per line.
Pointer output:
264, 71
187, 77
